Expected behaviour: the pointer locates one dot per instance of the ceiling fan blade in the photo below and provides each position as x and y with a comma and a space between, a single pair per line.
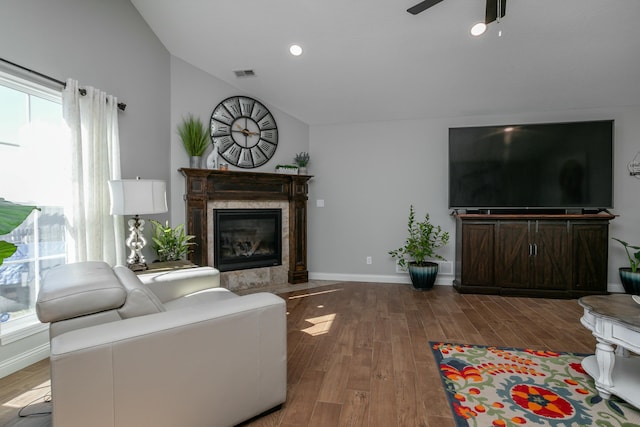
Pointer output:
422, 6
491, 12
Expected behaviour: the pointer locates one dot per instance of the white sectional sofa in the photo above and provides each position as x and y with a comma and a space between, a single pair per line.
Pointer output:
172, 349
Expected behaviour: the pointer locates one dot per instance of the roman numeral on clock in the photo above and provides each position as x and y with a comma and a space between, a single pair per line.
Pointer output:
245, 159
267, 122
223, 142
270, 135
259, 158
232, 154
266, 147
219, 128
246, 106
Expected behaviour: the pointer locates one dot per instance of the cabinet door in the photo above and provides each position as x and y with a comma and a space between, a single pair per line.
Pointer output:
552, 262
477, 254
590, 253
513, 258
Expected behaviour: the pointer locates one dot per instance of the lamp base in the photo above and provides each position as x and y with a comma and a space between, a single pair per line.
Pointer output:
136, 242
138, 266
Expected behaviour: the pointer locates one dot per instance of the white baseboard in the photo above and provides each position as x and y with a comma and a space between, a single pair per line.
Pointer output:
22, 360
615, 288
442, 279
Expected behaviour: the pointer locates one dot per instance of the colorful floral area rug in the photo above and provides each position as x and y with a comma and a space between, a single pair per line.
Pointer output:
492, 386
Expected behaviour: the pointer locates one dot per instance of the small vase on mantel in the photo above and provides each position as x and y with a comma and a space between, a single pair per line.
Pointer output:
302, 170
195, 161
211, 161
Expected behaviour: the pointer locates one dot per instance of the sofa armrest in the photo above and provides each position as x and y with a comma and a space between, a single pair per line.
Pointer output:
216, 365
170, 285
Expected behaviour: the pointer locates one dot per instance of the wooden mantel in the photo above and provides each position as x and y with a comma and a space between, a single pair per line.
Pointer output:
205, 185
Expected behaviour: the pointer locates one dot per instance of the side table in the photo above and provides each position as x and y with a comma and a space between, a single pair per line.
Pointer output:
156, 267
615, 323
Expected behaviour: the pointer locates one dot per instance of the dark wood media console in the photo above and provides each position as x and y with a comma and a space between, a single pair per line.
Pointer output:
559, 256
204, 185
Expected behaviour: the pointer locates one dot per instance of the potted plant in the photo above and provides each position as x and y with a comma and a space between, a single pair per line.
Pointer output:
11, 216
302, 159
195, 139
422, 242
170, 244
630, 276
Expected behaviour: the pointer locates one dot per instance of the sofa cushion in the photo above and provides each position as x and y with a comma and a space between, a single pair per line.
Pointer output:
140, 300
173, 284
78, 289
207, 296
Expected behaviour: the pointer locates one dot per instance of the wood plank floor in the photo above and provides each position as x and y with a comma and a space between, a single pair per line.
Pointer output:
359, 352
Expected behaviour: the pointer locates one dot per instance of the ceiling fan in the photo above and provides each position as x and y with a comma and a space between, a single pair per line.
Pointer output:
495, 9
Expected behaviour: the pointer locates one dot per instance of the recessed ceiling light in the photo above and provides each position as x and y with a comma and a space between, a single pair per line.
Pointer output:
478, 29
295, 49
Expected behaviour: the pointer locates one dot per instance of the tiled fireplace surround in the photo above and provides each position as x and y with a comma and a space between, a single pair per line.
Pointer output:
206, 190
253, 277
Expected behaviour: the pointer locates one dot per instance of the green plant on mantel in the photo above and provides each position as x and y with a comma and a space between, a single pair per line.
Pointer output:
634, 261
194, 136
301, 159
289, 169
11, 216
170, 244
422, 242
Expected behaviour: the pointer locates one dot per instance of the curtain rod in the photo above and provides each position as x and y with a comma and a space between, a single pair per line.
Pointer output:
121, 105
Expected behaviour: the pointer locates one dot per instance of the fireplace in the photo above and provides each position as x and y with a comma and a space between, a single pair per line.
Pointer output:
207, 190
247, 238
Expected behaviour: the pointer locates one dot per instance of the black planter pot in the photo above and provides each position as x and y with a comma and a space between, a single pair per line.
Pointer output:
423, 276
630, 280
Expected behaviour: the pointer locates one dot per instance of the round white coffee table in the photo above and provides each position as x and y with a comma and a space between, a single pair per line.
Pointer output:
615, 322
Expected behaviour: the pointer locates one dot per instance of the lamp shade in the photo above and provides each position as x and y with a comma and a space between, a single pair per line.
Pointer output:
138, 196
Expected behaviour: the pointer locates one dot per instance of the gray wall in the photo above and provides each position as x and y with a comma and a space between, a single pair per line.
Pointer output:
369, 173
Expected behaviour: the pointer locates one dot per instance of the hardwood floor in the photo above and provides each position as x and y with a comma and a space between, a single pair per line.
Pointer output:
26, 388
358, 353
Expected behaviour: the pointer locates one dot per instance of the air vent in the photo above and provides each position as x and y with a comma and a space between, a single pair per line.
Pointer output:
244, 73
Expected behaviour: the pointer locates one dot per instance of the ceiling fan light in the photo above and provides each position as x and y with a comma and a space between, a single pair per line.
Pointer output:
478, 29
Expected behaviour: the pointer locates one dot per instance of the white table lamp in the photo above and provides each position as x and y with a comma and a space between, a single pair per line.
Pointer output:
137, 197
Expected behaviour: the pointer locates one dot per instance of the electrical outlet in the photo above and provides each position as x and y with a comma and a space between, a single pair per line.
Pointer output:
369, 260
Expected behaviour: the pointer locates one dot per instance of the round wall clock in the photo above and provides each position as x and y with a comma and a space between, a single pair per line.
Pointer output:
244, 131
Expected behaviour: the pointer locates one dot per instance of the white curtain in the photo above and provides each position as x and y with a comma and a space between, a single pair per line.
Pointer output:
92, 118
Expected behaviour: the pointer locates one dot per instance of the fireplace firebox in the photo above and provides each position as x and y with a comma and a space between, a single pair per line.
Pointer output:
247, 238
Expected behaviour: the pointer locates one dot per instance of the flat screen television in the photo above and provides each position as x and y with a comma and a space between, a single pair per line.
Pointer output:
547, 166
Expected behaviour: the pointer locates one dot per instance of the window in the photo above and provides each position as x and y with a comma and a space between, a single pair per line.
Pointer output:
34, 166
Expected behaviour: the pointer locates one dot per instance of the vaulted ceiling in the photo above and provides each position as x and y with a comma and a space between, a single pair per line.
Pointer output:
370, 60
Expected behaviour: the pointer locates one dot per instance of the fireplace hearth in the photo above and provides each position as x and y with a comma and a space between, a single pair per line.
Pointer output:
247, 238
